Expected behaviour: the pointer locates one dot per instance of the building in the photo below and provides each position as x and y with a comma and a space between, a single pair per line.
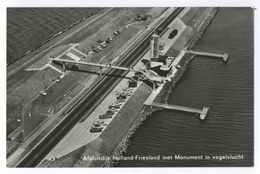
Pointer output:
159, 63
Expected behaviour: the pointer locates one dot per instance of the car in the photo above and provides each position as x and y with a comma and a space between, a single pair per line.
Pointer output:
114, 106
105, 116
122, 96
95, 50
95, 129
43, 93
100, 122
103, 45
109, 112
117, 103
120, 100
115, 33
99, 48
100, 41
173, 34
96, 124
128, 89
127, 94
113, 109
109, 38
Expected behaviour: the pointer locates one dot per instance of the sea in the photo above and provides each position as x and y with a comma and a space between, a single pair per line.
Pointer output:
225, 138
29, 28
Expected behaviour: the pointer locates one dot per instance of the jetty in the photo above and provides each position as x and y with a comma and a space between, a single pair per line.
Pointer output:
202, 112
217, 55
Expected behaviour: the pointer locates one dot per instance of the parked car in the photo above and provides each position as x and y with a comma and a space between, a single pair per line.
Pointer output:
105, 116
99, 48
95, 129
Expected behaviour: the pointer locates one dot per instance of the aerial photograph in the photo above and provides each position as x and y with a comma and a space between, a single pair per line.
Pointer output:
129, 87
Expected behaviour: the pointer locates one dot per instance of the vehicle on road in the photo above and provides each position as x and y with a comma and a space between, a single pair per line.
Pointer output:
173, 34
116, 33
95, 129
96, 124
100, 122
121, 100
99, 48
43, 93
114, 106
117, 103
108, 39
109, 112
121, 96
103, 45
105, 116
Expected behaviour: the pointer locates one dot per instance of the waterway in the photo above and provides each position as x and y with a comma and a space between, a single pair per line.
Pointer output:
226, 88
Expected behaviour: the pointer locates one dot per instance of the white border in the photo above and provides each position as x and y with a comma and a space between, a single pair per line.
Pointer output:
126, 3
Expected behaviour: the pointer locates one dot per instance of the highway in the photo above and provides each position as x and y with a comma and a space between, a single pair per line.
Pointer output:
91, 99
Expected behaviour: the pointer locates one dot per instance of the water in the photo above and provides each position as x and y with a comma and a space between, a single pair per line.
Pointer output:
28, 28
226, 88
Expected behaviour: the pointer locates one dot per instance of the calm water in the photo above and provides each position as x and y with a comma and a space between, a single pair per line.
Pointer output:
226, 88
28, 28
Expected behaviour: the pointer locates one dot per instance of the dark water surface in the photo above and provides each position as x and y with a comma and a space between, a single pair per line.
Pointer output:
226, 88
28, 28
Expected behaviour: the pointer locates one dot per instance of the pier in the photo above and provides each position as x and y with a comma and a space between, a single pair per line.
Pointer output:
200, 53
202, 112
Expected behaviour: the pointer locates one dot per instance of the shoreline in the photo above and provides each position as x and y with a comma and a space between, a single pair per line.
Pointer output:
163, 96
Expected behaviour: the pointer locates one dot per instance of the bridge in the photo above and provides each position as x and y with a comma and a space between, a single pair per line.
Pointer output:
202, 112
200, 53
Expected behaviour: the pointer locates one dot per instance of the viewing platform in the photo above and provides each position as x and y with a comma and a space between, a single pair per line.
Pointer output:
202, 112
200, 53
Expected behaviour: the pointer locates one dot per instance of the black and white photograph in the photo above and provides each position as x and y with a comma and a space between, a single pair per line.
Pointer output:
129, 86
